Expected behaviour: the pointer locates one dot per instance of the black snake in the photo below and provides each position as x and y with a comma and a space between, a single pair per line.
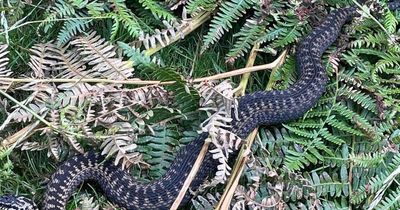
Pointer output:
259, 108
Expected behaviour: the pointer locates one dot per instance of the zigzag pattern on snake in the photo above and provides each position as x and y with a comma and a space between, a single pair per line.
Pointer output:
259, 108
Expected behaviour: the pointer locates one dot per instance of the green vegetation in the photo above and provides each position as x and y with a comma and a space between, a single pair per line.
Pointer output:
67, 85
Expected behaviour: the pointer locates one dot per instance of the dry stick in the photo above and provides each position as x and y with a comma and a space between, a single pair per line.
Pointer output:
19, 136
240, 90
237, 170
146, 82
242, 158
191, 176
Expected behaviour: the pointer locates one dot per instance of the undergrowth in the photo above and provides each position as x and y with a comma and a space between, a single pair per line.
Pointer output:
67, 70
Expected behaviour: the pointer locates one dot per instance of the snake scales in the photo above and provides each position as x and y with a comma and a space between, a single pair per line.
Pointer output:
259, 108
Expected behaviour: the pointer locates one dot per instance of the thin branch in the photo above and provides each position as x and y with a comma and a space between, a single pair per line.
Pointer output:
191, 176
137, 81
19, 136
36, 115
236, 172
240, 90
54, 20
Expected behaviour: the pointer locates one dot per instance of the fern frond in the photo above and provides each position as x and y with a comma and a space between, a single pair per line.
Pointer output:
391, 201
302, 157
162, 37
205, 203
61, 9
390, 60
359, 97
74, 143
247, 37
195, 6
54, 145
75, 94
69, 64
186, 98
157, 10
343, 126
101, 55
367, 159
390, 21
359, 121
290, 33
328, 185
284, 76
376, 39
229, 12
41, 59
95, 8
71, 28
122, 16
122, 143
22, 115
4, 71
158, 148
33, 146
300, 132
138, 57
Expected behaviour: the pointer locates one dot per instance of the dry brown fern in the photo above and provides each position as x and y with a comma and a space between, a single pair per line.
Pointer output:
218, 101
79, 112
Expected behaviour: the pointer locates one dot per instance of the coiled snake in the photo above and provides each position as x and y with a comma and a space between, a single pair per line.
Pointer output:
259, 108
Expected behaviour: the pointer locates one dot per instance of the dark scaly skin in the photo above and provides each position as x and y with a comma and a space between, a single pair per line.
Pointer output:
10, 202
277, 106
259, 108
120, 187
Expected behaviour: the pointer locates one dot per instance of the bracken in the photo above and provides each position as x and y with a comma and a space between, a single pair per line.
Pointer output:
259, 108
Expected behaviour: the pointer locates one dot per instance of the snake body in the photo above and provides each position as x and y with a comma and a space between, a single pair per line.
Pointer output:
258, 108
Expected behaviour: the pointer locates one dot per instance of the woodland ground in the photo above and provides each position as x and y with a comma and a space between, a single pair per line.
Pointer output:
343, 154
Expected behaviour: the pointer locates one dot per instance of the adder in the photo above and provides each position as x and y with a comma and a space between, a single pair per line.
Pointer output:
255, 109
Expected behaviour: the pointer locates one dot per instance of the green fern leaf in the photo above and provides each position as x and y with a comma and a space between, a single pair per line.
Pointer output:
290, 33
247, 37
229, 12
359, 97
159, 149
390, 21
138, 57
391, 201
122, 16
71, 28
195, 6
157, 10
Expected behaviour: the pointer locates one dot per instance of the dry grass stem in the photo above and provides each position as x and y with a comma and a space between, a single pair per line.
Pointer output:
237, 170
137, 81
191, 176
